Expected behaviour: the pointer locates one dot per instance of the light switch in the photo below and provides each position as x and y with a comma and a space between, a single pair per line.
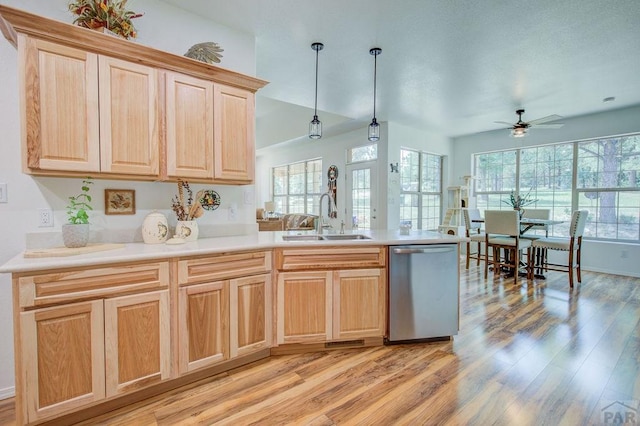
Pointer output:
3, 193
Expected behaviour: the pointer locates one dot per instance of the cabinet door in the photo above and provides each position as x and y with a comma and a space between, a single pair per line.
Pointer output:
62, 358
304, 307
189, 125
60, 94
137, 341
129, 141
359, 303
250, 307
234, 146
203, 325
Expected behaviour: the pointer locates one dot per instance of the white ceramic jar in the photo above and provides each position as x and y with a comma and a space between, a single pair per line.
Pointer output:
155, 228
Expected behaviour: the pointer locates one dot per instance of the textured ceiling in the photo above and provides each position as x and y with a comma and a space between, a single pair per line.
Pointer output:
455, 66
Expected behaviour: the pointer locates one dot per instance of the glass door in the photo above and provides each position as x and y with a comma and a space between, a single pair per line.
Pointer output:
362, 191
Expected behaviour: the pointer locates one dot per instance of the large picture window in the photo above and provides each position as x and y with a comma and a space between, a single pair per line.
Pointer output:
420, 188
297, 187
599, 175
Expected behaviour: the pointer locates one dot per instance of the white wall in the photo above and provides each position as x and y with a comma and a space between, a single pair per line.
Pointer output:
614, 258
164, 27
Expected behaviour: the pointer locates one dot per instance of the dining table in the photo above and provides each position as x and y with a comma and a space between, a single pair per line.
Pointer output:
526, 224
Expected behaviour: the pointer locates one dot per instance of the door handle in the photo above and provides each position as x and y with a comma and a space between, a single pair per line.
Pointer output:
421, 250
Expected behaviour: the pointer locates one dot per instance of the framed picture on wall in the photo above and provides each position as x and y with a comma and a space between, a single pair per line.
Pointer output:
119, 201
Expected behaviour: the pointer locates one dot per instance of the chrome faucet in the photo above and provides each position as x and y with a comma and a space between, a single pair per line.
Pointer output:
332, 209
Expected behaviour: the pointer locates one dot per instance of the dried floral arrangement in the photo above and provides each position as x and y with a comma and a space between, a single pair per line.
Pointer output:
189, 208
109, 14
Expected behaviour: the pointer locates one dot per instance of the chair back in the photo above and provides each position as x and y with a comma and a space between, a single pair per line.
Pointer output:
469, 216
578, 222
538, 214
503, 222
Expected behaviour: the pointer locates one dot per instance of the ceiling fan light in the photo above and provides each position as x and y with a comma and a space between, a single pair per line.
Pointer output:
518, 132
374, 130
315, 128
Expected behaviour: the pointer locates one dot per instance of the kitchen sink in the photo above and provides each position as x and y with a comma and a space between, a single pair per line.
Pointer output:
302, 237
328, 237
346, 237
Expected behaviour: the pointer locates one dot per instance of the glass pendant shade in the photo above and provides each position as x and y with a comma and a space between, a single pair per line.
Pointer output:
519, 132
315, 126
374, 130
374, 127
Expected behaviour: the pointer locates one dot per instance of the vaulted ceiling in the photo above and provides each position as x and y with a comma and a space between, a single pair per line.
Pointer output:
454, 66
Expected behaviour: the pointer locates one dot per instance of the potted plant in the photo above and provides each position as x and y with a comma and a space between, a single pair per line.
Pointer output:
76, 232
518, 201
105, 14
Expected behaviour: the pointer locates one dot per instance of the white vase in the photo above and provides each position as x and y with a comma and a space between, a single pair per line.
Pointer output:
75, 235
187, 230
155, 228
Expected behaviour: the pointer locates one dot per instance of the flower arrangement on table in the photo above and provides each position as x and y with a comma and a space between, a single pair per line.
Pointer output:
187, 208
518, 201
109, 14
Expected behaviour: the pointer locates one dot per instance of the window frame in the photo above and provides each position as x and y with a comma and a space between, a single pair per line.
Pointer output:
420, 193
283, 201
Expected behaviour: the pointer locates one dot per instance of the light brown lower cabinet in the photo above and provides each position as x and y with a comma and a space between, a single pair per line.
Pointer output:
319, 306
80, 353
222, 320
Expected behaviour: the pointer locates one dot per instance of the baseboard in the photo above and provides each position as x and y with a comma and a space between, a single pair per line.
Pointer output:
612, 272
7, 392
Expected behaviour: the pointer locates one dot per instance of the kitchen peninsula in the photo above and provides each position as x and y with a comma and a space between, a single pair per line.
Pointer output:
142, 319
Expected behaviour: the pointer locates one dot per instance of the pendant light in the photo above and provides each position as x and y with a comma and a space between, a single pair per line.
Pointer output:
374, 127
315, 126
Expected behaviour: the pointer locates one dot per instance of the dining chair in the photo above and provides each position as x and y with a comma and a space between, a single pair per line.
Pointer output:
572, 244
537, 214
474, 233
502, 232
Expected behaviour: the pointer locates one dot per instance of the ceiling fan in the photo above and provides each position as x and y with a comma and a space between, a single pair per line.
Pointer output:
519, 129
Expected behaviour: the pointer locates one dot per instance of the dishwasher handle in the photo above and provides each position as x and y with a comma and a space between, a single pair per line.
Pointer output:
422, 250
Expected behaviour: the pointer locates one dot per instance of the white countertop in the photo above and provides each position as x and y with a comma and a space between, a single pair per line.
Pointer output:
260, 240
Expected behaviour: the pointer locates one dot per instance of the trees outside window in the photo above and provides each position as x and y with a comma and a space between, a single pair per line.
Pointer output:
420, 188
599, 175
297, 187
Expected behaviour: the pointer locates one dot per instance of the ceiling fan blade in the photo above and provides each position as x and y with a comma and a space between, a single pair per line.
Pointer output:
552, 117
504, 122
548, 126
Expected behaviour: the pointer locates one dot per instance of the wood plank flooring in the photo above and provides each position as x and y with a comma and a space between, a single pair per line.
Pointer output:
536, 354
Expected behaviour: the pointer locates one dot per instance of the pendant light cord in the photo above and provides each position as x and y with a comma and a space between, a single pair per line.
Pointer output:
315, 108
375, 72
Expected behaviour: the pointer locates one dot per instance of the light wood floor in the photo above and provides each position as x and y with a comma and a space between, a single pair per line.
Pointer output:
533, 354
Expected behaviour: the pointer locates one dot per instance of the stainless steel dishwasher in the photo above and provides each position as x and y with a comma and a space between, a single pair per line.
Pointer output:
423, 292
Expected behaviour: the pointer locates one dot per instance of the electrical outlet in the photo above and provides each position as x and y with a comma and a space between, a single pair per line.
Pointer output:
45, 218
3, 193
248, 196
233, 211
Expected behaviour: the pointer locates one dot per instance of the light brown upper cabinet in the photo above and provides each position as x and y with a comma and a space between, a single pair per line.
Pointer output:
88, 112
60, 97
189, 126
106, 107
234, 147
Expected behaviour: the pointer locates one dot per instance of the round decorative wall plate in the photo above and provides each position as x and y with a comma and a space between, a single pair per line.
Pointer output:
210, 200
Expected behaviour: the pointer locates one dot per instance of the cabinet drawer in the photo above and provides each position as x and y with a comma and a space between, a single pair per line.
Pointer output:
224, 266
330, 258
67, 286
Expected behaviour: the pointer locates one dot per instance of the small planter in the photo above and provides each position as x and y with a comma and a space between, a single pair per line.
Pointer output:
187, 230
75, 235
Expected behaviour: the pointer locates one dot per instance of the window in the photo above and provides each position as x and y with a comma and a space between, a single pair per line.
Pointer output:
296, 187
420, 188
362, 153
600, 175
